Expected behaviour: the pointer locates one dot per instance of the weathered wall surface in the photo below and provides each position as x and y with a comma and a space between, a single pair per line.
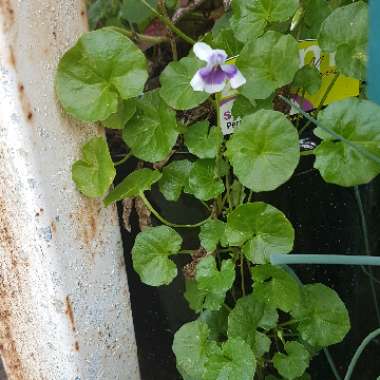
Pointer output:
64, 301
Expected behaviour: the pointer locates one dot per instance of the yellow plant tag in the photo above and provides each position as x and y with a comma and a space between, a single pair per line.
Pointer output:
309, 53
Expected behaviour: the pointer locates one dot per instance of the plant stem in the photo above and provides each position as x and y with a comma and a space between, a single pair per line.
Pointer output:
242, 274
336, 136
141, 37
227, 307
323, 100
169, 24
163, 220
124, 159
171, 35
308, 152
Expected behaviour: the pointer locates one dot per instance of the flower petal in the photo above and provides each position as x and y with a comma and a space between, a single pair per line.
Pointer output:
214, 87
202, 51
230, 70
197, 83
238, 80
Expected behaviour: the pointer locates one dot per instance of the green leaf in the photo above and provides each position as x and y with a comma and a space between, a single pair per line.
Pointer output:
137, 182
308, 78
125, 111
202, 141
262, 344
234, 361
276, 287
264, 150
243, 106
204, 182
217, 322
323, 316
357, 121
103, 66
294, 364
250, 18
174, 179
245, 318
268, 63
265, 229
175, 81
211, 234
94, 174
213, 282
315, 12
345, 32
194, 296
152, 132
191, 347
151, 253
136, 12
226, 41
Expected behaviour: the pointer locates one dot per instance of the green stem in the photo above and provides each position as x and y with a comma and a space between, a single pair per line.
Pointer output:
242, 274
169, 24
141, 37
228, 191
359, 351
289, 323
124, 159
227, 307
187, 252
336, 136
308, 152
323, 100
163, 220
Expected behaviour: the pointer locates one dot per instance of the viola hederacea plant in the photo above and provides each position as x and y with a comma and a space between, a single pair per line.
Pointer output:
255, 319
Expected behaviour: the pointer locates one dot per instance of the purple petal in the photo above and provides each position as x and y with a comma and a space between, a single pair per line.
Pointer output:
218, 57
230, 70
213, 75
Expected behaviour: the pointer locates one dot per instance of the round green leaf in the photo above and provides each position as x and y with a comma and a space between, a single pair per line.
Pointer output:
152, 131
268, 63
175, 81
125, 110
345, 32
211, 234
315, 12
190, 347
204, 182
357, 121
103, 66
245, 318
262, 344
264, 151
174, 179
214, 283
263, 228
234, 361
203, 142
137, 182
151, 253
323, 316
194, 296
95, 172
294, 363
216, 322
250, 18
308, 78
275, 287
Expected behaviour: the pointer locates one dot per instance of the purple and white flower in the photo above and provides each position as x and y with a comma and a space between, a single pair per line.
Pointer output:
213, 77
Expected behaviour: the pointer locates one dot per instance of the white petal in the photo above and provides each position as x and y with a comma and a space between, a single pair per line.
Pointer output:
202, 51
197, 83
214, 88
238, 80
